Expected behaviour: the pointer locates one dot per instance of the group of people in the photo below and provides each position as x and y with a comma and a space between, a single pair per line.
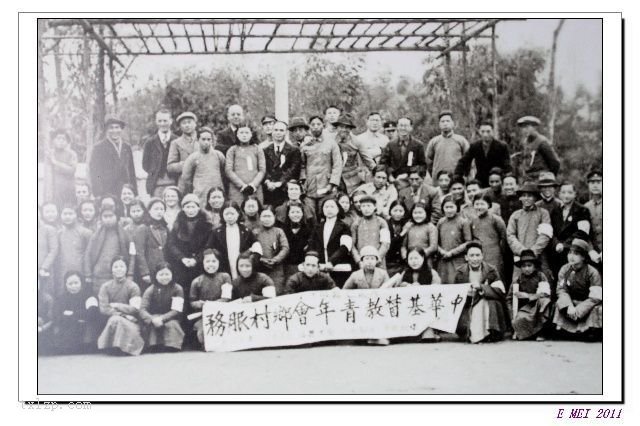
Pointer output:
308, 205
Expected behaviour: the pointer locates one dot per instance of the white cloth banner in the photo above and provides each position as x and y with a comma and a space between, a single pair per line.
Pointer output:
315, 316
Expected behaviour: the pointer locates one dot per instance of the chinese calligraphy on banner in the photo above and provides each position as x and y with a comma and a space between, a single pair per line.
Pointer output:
332, 315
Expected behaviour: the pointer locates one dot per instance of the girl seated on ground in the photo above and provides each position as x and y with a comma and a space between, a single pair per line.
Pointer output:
211, 285
530, 297
417, 272
578, 312
119, 300
161, 311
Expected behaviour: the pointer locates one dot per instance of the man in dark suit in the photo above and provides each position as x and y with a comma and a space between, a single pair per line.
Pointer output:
402, 154
155, 153
226, 137
488, 153
111, 163
283, 164
419, 190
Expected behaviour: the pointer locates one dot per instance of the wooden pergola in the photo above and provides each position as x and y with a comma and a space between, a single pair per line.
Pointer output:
117, 42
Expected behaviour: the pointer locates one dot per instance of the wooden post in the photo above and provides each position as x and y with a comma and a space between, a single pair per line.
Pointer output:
114, 86
494, 71
43, 113
447, 67
100, 108
552, 82
468, 107
43, 116
85, 65
62, 116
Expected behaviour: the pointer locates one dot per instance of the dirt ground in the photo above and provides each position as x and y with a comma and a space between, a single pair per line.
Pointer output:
508, 367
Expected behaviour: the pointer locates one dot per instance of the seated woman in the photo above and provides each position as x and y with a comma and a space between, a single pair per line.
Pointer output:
75, 315
579, 306
161, 311
529, 299
211, 285
250, 285
485, 316
119, 300
417, 272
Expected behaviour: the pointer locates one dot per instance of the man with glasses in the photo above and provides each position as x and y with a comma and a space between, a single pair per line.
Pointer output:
372, 139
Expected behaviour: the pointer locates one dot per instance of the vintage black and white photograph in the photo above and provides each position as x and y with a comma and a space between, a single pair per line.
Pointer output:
389, 205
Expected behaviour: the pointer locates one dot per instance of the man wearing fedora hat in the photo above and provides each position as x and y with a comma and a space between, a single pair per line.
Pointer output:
356, 162
537, 154
530, 227
548, 186
181, 148
111, 163
445, 150
298, 129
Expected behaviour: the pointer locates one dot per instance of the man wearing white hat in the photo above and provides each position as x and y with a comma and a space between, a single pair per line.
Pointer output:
182, 147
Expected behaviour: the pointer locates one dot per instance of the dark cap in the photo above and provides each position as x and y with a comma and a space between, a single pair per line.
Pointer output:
528, 188
345, 120
186, 114
298, 122
594, 174
527, 256
390, 125
268, 119
547, 179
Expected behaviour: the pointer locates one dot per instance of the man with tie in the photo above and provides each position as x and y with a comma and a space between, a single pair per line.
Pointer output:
226, 137
111, 163
403, 153
155, 153
283, 164
419, 190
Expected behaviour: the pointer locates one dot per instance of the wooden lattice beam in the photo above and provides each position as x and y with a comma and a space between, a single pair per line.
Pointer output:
89, 29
